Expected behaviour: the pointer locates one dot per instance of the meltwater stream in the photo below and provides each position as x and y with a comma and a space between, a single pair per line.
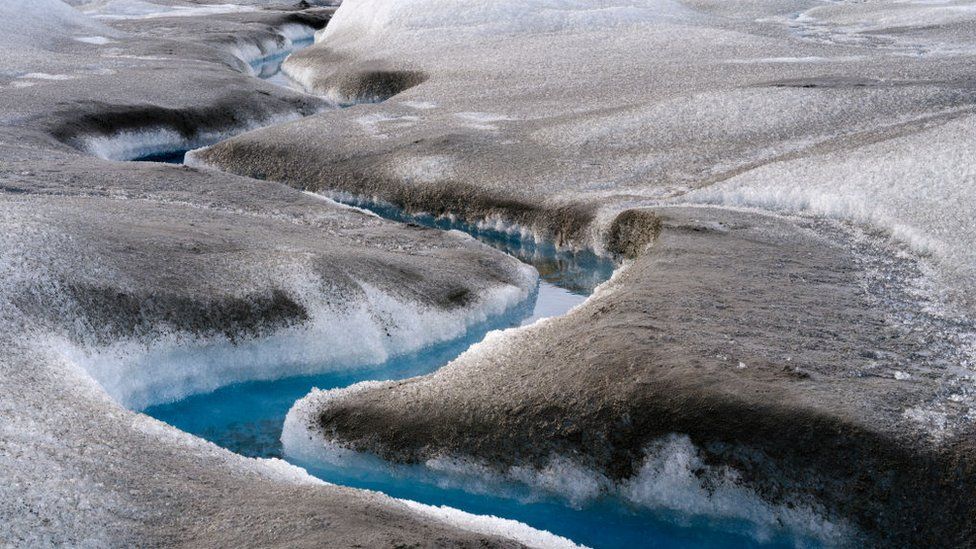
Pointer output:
248, 417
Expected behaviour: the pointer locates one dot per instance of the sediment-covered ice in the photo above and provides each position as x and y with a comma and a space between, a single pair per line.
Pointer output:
672, 477
585, 124
133, 144
912, 186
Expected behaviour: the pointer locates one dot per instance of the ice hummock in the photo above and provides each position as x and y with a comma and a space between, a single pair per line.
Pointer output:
672, 484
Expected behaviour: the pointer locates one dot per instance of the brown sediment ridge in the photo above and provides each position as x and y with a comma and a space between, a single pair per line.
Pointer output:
566, 225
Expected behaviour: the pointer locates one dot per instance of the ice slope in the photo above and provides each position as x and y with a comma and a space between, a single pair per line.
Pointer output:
137, 9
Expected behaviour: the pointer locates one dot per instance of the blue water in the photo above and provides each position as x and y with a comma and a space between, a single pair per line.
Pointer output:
247, 418
269, 68
578, 271
606, 524
167, 157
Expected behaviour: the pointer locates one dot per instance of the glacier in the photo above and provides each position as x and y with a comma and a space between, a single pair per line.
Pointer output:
785, 351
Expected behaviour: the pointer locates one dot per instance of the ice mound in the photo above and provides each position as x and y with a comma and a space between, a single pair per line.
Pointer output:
673, 478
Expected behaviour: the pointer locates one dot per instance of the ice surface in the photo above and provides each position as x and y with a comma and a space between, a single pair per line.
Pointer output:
76, 468
128, 145
915, 187
816, 112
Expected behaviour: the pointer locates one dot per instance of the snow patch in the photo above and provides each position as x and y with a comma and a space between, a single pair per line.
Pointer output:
426, 169
419, 105
375, 124
47, 76
482, 120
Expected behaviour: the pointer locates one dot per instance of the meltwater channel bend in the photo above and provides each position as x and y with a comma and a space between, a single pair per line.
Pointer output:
248, 417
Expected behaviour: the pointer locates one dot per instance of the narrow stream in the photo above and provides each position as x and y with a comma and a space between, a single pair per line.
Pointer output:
247, 418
